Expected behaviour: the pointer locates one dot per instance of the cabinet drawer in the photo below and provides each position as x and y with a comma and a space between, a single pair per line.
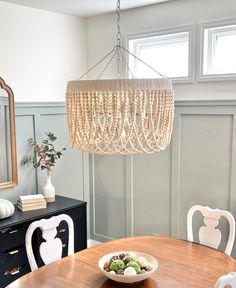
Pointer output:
13, 258
11, 236
12, 274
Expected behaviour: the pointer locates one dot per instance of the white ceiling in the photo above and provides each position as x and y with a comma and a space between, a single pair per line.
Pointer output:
83, 8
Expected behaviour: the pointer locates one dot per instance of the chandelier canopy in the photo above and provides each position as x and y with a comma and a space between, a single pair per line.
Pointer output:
125, 116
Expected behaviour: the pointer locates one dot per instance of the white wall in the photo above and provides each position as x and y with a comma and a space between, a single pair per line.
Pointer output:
101, 35
40, 51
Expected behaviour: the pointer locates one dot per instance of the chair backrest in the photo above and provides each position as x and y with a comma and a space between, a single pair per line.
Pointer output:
226, 280
51, 250
209, 235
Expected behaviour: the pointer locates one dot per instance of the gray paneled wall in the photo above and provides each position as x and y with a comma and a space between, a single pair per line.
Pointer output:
151, 194
71, 171
142, 194
35, 121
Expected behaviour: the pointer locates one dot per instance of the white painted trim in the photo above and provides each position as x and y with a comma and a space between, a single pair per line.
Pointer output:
103, 236
206, 102
190, 102
91, 243
232, 196
93, 195
129, 196
191, 28
39, 104
218, 23
175, 174
86, 188
200, 52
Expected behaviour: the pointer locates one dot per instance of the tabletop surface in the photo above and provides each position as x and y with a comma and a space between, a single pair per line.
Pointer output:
181, 264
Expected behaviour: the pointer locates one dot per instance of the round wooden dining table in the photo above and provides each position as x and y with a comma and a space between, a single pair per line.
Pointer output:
182, 264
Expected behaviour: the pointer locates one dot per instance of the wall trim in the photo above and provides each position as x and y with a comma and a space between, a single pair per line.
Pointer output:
39, 104
206, 102
184, 102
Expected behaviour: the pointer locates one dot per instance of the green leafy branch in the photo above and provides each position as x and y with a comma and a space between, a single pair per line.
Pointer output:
45, 154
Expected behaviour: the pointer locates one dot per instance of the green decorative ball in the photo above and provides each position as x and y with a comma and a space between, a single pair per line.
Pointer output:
117, 265
128, 258
135, 265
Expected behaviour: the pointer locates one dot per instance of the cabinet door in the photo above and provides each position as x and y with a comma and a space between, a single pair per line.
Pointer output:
80, 226
13, 259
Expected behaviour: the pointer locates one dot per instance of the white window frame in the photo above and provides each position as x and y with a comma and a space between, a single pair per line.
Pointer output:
164, 32
212, 36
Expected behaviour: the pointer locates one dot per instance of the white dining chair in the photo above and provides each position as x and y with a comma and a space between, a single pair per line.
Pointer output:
228, 280
51, 250
209, 235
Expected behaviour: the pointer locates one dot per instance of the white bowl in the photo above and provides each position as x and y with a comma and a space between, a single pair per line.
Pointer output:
128, 279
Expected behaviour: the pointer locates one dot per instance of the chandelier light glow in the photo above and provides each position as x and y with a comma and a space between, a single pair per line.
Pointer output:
125, 116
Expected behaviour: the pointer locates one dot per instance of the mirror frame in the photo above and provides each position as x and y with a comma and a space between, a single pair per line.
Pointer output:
14, 179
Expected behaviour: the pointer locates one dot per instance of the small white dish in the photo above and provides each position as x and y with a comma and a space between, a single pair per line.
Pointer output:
128, 279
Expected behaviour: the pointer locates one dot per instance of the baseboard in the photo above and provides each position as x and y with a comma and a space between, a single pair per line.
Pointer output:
91, 243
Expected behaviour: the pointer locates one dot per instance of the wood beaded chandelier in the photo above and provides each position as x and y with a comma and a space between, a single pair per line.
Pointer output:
125, 116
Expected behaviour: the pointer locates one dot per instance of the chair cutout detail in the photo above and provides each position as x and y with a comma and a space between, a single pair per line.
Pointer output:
51, 250
209, 235
225, 280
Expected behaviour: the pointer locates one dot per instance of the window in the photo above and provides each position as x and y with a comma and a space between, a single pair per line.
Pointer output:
169, 54
219, 46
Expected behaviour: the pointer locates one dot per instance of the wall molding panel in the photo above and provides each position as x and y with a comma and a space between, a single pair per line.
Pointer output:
70, 176
151, 194
140, 194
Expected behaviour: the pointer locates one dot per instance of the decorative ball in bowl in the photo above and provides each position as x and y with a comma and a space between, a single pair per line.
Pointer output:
127, 266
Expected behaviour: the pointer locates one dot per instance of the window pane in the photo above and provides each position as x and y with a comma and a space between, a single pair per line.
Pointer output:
219, 50
169, 59
224, 60
168, 54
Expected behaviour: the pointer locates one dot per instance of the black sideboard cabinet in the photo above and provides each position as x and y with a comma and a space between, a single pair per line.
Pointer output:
13, 258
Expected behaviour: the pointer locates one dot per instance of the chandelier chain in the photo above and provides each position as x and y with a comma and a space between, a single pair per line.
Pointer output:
108, 63
140, 60
126, 64
119, 51
118, 37
99, 62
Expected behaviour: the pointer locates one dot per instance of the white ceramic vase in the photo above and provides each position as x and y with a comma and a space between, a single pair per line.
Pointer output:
49, 190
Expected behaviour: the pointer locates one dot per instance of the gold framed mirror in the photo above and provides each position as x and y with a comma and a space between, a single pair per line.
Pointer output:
8, 161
